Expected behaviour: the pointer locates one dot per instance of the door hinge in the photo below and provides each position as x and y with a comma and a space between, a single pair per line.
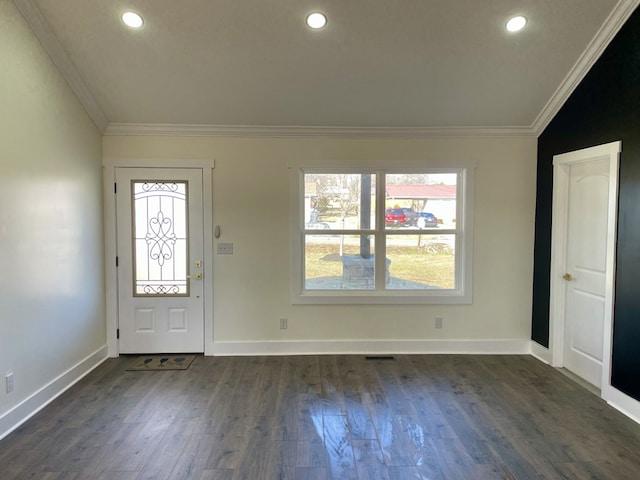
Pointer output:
118, 334
115, 188
116, 261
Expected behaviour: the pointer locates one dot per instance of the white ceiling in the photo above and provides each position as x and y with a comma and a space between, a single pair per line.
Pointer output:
378, 63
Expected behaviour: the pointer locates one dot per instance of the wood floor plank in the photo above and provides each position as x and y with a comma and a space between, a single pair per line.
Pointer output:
394, 442
177, 440
435, 417
264, 458
454, 460
225, 451
221, 398
417, 443
359, 420
310, 473
311, 455
332, 395
409, 473
503, 454
339, 447
310, 427
370, 463
217, 475
474, 442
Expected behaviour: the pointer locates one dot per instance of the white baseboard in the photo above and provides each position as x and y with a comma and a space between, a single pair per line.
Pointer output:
45, 395
373, 347
541, 353
622, 402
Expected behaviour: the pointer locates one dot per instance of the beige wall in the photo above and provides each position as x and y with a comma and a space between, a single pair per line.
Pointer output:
51, 232
251, 203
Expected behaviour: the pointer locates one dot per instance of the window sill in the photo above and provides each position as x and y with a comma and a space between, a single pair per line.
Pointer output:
393, 297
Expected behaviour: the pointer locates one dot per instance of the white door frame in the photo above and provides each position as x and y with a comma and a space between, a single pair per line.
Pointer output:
111, 273
561, 165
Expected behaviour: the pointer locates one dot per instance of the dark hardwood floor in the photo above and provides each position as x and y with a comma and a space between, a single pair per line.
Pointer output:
326, 417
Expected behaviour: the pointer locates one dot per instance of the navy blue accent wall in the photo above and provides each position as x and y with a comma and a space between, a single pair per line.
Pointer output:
604, 108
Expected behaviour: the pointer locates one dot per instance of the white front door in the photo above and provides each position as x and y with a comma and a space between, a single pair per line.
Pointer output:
584, 267
160, 260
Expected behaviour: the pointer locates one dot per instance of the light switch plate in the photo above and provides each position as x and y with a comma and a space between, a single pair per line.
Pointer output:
224, 249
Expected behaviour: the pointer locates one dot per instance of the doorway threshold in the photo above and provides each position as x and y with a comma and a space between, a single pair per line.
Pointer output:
580, 381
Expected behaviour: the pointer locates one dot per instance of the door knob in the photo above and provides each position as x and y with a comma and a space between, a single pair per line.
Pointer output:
197, 276
567, 277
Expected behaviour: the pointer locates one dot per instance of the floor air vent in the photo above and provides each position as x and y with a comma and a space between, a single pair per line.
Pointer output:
379, 357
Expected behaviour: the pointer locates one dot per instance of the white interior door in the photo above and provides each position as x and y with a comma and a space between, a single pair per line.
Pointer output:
583, 253
160, 260
586, 268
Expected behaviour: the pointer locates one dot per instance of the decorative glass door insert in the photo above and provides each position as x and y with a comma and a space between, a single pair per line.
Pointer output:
160, 247
160, 238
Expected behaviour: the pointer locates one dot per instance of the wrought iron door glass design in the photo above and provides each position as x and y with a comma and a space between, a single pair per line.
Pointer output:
160, 243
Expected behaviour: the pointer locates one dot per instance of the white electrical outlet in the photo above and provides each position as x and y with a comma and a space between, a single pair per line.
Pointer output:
283, 324
438, 322
9, 381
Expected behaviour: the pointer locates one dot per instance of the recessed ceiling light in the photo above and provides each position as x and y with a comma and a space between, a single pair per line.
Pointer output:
316, 20
132, 19
516, 23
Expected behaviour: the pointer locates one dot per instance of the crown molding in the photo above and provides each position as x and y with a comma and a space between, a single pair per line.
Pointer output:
589, 57
43, 32
292, 131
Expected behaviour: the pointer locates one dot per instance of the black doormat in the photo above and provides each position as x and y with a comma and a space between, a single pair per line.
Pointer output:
161, 362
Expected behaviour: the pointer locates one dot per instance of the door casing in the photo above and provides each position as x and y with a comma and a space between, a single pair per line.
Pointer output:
561, 164
111, 276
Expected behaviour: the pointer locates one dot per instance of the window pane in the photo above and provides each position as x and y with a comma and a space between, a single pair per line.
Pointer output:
339, 262
421, 262
335, 201
160, 238
421, 201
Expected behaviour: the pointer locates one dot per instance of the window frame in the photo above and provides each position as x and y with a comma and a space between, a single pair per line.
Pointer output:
460, 294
